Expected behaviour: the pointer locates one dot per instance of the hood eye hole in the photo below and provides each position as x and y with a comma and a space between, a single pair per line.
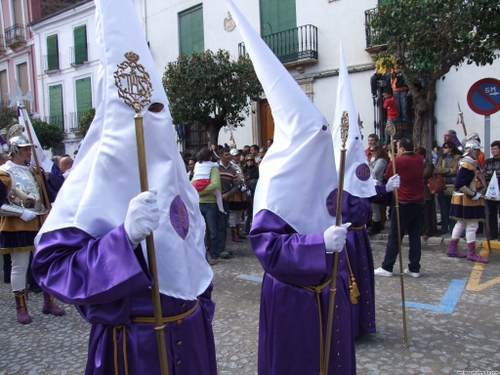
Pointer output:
156, 107
324, 127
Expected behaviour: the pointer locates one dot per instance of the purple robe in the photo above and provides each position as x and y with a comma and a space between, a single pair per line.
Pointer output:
357, 211
289, 326
109, 282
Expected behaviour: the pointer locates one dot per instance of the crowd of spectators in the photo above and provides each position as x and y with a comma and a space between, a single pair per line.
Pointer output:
234, 173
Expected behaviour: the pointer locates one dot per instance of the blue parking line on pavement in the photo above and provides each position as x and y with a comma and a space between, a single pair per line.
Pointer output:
250, 277
448, 302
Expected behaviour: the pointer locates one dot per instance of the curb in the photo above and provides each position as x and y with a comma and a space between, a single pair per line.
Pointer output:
437, 241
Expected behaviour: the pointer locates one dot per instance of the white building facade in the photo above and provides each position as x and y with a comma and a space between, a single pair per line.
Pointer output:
317, 28
66, 66
170, 26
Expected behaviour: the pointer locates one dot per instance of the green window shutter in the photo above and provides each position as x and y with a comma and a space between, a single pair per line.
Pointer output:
80, 38
52, 52
278, 24
191, 36
56, 106
83, 97
382, 1
277, 15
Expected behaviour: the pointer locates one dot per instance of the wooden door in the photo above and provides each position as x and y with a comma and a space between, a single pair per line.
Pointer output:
266, 123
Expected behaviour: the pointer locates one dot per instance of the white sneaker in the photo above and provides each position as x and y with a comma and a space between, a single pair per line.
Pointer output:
381, 272
412, 274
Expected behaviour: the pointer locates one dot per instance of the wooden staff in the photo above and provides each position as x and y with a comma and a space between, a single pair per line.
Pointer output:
137, 94
37, 168
344, 132
391, 130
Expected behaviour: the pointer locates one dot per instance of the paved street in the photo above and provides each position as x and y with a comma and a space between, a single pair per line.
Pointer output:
453, 315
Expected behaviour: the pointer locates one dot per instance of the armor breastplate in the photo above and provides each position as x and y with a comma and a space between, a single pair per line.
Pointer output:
25, 191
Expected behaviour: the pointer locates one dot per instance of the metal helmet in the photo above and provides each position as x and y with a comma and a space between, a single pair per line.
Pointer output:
16, 140
470, 144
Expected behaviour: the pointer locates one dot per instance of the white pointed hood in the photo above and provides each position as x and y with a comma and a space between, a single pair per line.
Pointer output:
105, 176
358, 180
298, 173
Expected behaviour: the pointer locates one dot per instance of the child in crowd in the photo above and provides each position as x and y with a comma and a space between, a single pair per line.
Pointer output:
201, 179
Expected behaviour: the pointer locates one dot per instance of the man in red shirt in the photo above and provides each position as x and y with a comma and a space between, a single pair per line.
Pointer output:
410, 167
372, 141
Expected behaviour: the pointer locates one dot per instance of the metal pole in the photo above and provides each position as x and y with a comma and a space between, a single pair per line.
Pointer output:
392, 130
135, 76
487, 136
344, 131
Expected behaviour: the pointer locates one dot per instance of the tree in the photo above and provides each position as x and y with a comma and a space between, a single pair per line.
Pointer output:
85, 121
7, 116
49, 135
428, 38
212, 89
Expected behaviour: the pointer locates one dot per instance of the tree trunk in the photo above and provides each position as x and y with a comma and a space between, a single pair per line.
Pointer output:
213, 134
422, 128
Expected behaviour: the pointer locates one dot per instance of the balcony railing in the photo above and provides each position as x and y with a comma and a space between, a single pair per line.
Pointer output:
51, 62
2, 44
372, 37
79, 54
57, 120
293, 45
15, 35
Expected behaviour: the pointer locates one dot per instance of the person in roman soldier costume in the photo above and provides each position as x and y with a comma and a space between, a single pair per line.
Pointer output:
467, 204
24, 210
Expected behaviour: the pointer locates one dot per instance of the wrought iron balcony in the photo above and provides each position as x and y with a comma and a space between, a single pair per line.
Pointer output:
79, 54
372, 38
15, 35
292, 47
51, 62
2, 44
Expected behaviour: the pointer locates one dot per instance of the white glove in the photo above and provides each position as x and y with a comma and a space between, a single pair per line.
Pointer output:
28, 215
393, 183
143, 217
335, 238
249, 193
243, 188
477, 196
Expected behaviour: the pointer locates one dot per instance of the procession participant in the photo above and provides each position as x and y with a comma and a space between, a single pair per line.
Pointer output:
90, 251
467, 204
23, 212
293, 234
359, 192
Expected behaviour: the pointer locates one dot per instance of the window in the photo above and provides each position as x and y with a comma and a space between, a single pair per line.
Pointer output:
23, 80
191, 30
4, 88
80, 49
83, 97
56, 106
17, 6
277, 15
52, 52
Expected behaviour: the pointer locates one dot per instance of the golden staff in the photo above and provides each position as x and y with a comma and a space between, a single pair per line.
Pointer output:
37, 168
137, 94
391, 130
344, 132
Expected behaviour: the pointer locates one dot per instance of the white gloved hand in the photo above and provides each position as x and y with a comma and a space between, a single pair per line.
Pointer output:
477, 196
335, 238
243, 188
143, 217
28, 215
393, 183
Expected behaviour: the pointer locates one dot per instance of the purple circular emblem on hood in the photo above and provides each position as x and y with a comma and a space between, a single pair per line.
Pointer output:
179, 217
331, 203
363, 172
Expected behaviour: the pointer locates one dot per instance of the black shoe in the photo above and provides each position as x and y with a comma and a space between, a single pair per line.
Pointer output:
35, 288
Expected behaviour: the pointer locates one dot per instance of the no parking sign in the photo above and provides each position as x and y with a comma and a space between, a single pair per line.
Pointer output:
484, 96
